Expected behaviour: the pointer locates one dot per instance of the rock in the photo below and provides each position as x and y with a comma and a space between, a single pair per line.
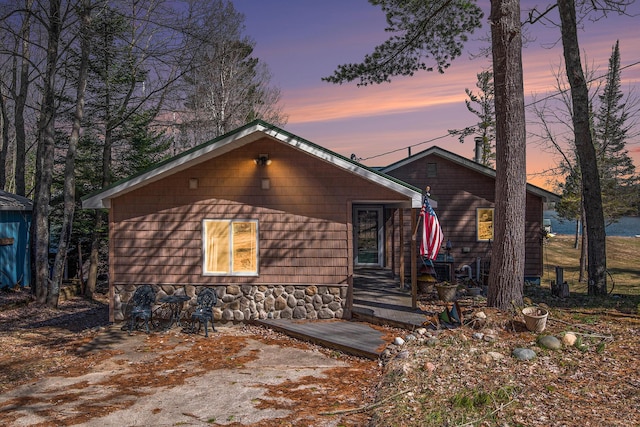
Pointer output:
480, 315
404, 354
421, 331
490, 337
398, 341
549, 342
478, 335
429, 367
410, 337
569, 339
524, 354
432, 342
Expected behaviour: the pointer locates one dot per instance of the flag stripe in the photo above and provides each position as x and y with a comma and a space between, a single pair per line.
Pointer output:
432, 236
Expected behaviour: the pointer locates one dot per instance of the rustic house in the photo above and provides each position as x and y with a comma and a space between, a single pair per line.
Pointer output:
15, 221
465, 192
274, 223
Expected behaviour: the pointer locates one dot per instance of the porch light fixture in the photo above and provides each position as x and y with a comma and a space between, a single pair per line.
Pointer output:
262, 160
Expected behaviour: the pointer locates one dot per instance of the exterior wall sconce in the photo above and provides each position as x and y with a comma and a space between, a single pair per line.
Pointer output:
262, 160
193, 183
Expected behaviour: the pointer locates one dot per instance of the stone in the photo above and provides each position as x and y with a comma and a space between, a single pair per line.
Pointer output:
402, 354
432, 342
280, 303
327, 298
524, 354
299, 312
269, 303
478, 335
311, 290
325, 313
490, 337
429, 367
480, 315
398, 341
334, 306
549, 342
299, 294
569, 339
227, 298
410, 337
233, 290
292, 301
317, 302
238, 315
278, 291
421, 331
286, 313
227, 315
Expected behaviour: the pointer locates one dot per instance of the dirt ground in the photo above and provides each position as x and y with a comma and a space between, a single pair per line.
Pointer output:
69, 367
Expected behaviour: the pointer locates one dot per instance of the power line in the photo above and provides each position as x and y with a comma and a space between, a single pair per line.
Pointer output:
557, 92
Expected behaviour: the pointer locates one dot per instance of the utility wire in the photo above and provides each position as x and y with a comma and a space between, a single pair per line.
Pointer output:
558, 92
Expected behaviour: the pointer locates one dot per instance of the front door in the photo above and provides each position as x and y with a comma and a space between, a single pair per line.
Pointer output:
369, 235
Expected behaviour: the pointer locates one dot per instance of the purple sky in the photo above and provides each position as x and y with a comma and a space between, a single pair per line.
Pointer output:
304, 40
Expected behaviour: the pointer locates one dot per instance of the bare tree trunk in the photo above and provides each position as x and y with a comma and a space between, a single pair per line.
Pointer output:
592, 196
46, 291
4, 149
69, 172
506, 277
20, 102
584, 238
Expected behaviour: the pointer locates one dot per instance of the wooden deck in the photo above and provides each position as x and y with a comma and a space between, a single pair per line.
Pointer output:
377, 299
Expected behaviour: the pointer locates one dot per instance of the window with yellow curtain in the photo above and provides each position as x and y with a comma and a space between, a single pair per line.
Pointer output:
230, 247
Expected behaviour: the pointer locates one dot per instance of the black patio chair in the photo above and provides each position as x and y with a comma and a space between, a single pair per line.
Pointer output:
203, 313
142, 300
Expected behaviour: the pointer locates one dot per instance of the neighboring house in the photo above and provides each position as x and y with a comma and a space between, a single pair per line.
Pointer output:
465, 192
274, 223
15, 221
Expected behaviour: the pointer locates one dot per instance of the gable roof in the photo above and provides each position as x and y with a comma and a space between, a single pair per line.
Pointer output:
246, 134
546, 196
13, 202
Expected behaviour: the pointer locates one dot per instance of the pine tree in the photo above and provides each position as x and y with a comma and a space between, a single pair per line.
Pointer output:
616, 168
482, 105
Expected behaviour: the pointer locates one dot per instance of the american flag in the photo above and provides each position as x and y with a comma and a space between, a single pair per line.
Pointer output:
431, 232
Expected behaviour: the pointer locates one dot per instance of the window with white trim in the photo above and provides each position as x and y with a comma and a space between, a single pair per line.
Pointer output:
230, 247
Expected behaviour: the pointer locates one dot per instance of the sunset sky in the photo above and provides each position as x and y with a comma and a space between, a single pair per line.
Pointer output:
304, 40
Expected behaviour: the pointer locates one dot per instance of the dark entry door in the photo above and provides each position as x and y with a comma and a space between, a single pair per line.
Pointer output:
369, 235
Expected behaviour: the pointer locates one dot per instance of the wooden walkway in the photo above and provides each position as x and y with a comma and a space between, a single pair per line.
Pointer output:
377, 299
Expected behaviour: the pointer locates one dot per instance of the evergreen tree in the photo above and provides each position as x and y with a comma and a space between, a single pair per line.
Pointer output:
616, 168
146, 146
482, 105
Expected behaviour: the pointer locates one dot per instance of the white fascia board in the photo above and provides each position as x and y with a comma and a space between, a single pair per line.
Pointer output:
208, 151
416, 198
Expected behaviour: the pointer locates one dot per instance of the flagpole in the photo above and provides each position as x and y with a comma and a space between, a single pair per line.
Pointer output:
414, 254
427, 192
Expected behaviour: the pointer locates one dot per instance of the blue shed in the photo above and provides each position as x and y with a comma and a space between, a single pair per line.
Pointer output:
15, 220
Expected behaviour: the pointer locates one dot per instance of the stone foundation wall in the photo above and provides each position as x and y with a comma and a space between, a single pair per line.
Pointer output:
237, 303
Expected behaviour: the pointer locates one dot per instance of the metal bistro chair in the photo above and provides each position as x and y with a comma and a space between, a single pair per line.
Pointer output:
143, 299
203, 313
